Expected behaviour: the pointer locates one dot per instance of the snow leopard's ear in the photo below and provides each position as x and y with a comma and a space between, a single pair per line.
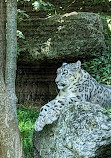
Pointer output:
63, 64
78, 64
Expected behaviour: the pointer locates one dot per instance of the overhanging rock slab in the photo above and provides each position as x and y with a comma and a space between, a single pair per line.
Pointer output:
71, 35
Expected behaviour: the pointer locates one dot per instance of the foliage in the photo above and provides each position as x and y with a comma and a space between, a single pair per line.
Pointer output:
107, 28
101, 1
42, 5
26, 118
21, 15
38, 5
23, 1
20, 34
100, 67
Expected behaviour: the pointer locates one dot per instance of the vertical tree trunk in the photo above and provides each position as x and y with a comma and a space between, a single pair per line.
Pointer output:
2, 36
2, 45
11, 55
11, 146
10, 142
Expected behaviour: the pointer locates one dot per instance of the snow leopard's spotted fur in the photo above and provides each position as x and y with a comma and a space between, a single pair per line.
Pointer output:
75, 85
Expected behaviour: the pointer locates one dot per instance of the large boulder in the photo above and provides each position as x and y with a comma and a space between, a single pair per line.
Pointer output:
65, 36
82, 131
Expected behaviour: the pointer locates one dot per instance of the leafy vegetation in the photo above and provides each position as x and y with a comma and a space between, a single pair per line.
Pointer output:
38, 5
42, 5
26, 118
99, 66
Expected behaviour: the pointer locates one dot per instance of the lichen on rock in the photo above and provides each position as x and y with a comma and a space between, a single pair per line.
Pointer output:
82, 131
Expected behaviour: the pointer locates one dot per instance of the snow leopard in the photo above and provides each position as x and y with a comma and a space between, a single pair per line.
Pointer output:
75, 85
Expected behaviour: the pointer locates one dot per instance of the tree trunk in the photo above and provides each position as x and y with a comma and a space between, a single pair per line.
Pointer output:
11, 55
10, 142
2, 35
11, 146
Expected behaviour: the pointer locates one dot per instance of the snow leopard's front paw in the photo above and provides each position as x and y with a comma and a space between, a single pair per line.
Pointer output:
48, 114
39, 124
44, 120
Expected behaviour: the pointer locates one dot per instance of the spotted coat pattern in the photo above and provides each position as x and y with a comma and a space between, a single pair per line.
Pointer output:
75, 85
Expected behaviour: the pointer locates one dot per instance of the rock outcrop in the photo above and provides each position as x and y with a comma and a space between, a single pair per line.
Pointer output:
82, 131
59, 37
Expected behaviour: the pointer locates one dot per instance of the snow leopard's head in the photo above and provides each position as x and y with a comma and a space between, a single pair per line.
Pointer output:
67, 74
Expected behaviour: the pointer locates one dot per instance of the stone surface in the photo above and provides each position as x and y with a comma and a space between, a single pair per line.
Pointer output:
59, 37
82, 131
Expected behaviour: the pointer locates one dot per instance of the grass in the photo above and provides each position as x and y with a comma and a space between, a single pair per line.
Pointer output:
27, 116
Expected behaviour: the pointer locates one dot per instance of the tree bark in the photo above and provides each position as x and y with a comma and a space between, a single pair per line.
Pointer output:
2, 35
11, 146
11, 56
10, 142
